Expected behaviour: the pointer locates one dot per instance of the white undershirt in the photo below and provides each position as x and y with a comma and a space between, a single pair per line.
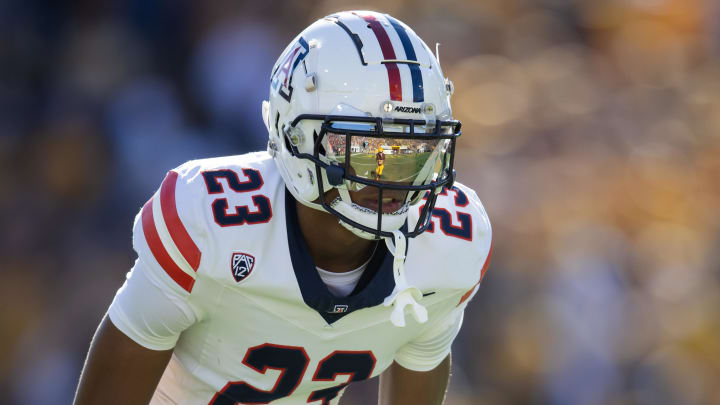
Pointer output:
342, 284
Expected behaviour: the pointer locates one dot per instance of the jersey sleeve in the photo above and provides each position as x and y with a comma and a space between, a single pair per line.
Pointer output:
428, 350
155, 304
148, 313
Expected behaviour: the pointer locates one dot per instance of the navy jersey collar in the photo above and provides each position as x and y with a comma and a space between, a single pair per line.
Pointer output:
375, 284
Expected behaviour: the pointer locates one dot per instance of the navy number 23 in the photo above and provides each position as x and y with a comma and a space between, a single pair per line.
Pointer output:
253, 181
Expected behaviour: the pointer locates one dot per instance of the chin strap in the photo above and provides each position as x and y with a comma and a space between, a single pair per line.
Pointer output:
403, 295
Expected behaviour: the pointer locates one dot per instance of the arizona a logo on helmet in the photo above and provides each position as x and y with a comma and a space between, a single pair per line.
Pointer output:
282, 76
241, 265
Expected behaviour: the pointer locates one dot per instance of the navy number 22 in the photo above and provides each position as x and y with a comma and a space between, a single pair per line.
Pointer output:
461, 231
292, 361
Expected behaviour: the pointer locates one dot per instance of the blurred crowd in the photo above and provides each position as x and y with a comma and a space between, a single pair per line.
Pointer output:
591, 131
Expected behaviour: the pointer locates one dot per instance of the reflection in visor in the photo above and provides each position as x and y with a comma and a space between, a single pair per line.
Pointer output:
397, 160
410, 168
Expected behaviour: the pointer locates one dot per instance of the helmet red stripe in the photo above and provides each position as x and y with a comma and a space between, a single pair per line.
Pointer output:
158, 250
388, 53
177, 230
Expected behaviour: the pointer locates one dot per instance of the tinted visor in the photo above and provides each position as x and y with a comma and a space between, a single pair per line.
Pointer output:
398, 156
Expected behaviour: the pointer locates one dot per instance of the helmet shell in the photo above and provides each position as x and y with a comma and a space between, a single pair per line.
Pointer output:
358, 63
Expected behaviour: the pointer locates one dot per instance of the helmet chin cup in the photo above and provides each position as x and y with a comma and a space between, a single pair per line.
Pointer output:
366, 217
358, 232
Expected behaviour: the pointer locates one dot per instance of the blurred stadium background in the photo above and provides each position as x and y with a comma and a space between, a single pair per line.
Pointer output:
591, 133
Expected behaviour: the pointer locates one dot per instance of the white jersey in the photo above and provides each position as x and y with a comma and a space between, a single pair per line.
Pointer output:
224, 277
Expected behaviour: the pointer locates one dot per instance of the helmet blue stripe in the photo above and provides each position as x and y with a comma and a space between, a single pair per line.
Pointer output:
417, 81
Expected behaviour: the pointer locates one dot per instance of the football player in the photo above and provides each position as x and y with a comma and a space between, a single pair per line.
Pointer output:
380, 160
282, 276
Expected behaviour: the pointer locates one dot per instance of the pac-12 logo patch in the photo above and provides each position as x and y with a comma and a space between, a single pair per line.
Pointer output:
241, 265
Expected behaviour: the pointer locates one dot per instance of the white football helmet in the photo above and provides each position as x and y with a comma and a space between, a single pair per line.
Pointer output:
358, 104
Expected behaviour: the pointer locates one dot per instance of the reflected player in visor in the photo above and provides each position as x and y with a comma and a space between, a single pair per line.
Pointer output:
380, 159
282, 276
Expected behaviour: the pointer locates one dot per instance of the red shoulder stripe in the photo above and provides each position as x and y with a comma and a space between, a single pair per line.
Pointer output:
158, 250
482, 274
179, 234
